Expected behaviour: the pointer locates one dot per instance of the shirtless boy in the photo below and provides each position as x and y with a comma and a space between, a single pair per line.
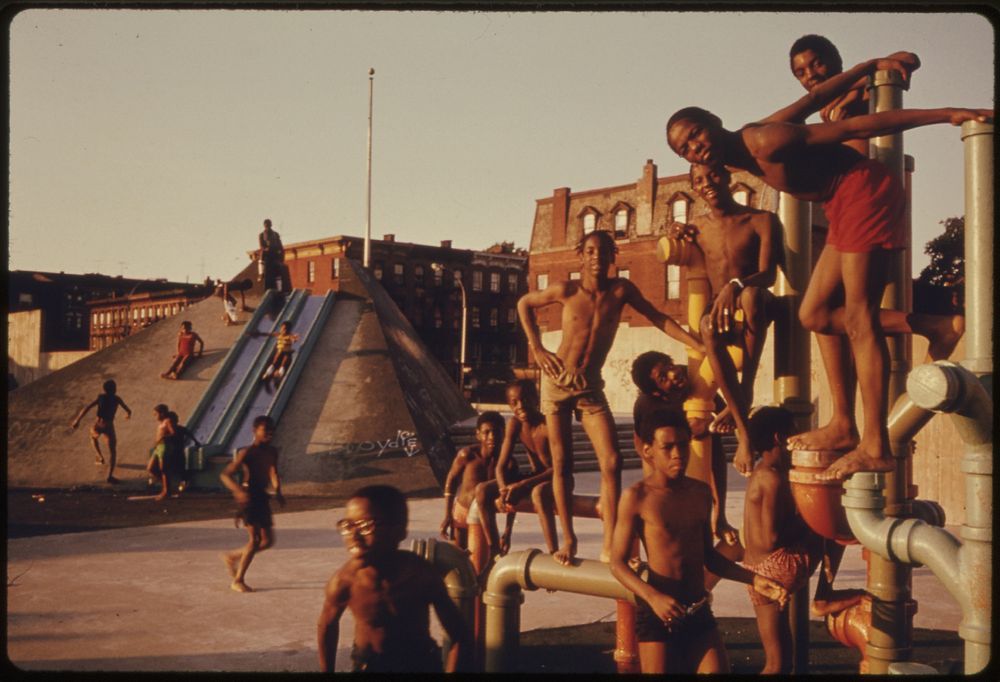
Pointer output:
472, 465
185, 351
742, 249
571, 377
669, 513
389, 592
864, 204
179, 442
816, 64
527, 428
107, 405
161, 454
259, 462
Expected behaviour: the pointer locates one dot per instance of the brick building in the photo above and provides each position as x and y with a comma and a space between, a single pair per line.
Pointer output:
431, 300
114, 318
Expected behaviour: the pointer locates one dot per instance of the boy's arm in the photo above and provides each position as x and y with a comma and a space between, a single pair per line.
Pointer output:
550, 363
511, 432
888, 123
328, 629
128, 410
227, 476
457, 465
621, 549
201, 344
768, 255
276, 480
76, 422
902, 62
666, 323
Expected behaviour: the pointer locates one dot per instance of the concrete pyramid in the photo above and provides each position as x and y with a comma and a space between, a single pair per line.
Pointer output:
372, 404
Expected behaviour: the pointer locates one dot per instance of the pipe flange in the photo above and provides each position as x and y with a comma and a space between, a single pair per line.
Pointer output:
504, 600
976, 534
865, 480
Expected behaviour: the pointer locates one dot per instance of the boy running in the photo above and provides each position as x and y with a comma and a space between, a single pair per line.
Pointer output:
389, 593
185, 351
669, 513
864, 204
259, 462
571, 377
107, 405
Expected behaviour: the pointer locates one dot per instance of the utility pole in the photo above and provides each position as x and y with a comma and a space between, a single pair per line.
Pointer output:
368, 220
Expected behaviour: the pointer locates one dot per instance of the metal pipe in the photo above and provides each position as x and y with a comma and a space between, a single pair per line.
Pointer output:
366, 258
977, 139
532, 570
459, 579
964, 568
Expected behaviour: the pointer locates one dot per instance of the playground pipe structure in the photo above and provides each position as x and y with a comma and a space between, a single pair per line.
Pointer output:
531, 570
965, 391
459, 579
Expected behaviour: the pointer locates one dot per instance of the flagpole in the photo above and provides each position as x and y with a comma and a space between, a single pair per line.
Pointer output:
368, 221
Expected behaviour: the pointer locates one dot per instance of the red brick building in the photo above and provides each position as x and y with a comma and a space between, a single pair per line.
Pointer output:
112, 319
431, 300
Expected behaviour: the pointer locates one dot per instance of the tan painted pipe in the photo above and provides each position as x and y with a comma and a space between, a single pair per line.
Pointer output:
581, 506
531, 570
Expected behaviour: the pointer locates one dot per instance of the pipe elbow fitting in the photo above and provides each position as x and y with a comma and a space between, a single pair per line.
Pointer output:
460, 578
948, 387
508, 577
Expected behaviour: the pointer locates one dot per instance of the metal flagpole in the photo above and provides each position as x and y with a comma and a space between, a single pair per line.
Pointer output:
368, 220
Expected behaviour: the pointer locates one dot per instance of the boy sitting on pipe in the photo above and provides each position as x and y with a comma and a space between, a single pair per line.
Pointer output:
670, 513
527, 428
865, 206
389, 593
571, 377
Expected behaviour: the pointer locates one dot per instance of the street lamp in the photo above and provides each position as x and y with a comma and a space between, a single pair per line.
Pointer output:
437, 267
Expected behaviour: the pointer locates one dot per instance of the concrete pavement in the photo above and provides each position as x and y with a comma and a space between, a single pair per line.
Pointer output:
157, 598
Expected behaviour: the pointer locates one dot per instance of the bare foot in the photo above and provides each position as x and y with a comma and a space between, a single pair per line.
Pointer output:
605, 556
743, 459
833, 436
99, 460
231, 563
838, 601
943, 336
565, 554
723, 422
240, 586
853, 462
112, 479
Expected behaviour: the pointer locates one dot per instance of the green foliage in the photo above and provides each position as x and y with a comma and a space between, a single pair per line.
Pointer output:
947, 254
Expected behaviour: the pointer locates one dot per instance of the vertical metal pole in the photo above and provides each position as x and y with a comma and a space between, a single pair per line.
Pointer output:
889, 583
368, 221
977, 464
792, 369
465, 321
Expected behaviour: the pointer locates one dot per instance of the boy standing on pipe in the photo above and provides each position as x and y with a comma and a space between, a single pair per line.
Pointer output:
389, 593
571, 377
670, 513
816, 64
864, 204
742, 248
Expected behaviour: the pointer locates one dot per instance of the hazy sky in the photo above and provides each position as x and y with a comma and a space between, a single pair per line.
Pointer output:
154, 143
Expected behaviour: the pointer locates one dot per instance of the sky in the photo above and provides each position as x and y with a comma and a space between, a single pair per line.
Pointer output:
153, 143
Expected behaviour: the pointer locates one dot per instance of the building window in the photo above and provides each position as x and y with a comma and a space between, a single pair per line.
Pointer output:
679, 210
512, 353
377, 271
512, 283
457, 278
454, 322
311, 271
621, 223
574, 275
397, 273
437, 318
673, 281
474, 313
512, 316
495, 282
438, 276
477, 280
418, 274
335, 268
542, 281
477, 350
624, 273
25, 299
494, 317
589, 223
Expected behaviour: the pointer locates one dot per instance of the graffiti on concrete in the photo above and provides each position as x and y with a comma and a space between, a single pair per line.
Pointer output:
404, 441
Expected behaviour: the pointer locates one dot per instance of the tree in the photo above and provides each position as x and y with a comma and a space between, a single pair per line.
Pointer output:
940, 288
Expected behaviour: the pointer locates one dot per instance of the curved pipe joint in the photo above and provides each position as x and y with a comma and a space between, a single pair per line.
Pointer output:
947, 387
459, 579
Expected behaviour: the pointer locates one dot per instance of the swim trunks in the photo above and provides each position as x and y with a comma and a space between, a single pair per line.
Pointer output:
788, 566
102, 426
573, 392
649, 627
425, 658
473, 516
257, 512
867, 210
460, 514
160, 452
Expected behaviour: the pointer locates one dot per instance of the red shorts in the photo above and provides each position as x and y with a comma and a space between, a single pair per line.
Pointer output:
787, 566
867, 210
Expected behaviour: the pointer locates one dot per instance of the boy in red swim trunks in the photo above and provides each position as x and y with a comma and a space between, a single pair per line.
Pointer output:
863, 206
107, 405
185, 351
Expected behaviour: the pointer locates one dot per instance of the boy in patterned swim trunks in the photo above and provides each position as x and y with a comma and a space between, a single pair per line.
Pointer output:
260, 463
389, 592
670, 514
843, 295
158, 466
107, 406
472, 466
571, 377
